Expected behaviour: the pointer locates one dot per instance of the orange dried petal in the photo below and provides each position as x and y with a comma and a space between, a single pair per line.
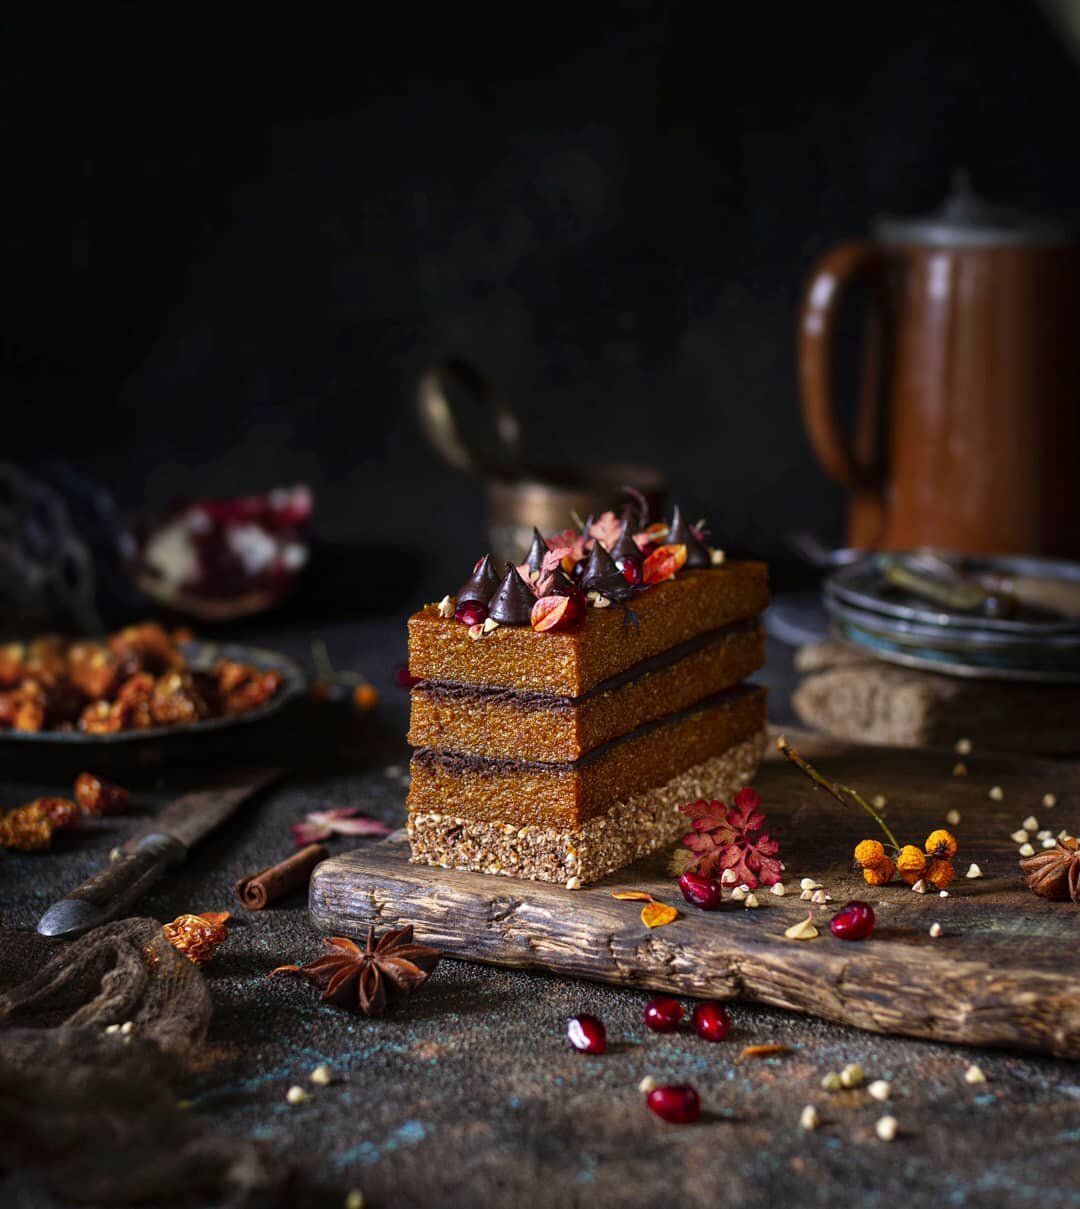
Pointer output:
214, 917
633, 895
663, 563
550, 612
656, 915
762, 1051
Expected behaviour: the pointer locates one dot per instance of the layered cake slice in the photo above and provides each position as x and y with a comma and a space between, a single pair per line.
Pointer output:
563, 711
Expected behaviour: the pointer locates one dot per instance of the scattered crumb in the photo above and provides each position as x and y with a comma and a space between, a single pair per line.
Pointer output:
297, 1095
727, 878
851, 1075
1031, 823
573, 883
322, 1076
647, 1085
803, 930
973, 870
1049, 800
354, 1199
880, 1089
997, 794
1019, 836
808, 1118
952, 818
808, 883
751, 900
831, 1081
935, 930
1049, 843
1026, 850
879, 801
959, 769
943, 894
974, 1074
919, 887
963, 747
778, 889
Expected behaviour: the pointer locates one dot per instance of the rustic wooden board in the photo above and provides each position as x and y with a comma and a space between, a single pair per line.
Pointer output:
1005, 972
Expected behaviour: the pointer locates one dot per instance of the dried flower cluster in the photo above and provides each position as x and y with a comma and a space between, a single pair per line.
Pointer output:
931, 864
30, 828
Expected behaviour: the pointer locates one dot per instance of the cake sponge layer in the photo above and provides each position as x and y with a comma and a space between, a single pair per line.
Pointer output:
604, 645
629, 830
566, 795
503, 724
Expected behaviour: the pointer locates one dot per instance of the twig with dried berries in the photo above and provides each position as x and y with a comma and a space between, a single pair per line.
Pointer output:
361, 978
930, 865
329, 683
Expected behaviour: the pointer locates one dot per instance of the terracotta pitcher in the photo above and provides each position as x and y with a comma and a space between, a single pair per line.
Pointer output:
967, 432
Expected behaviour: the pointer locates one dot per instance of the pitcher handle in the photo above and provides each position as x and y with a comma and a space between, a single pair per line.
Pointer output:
853, 463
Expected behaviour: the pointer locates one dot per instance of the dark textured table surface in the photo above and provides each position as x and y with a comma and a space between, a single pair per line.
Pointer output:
469, 1094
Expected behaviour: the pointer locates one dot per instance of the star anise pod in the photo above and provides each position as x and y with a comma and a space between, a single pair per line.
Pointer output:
353, 977
1054, 873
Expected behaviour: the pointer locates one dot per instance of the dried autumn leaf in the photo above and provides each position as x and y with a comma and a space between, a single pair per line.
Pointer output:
214, 917
762, 1051
663, 563
730, 837
606, 529
656, 915
633, 895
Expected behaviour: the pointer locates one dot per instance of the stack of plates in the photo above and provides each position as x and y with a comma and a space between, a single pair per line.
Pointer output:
870, 612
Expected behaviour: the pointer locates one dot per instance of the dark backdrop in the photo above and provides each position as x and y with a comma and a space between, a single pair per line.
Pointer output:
237, 235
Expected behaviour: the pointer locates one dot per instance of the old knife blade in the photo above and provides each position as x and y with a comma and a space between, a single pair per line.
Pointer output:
144, 859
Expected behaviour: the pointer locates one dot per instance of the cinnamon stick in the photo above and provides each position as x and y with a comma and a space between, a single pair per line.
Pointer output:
258, 890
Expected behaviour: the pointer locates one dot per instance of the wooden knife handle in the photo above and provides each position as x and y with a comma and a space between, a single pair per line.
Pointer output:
112, 891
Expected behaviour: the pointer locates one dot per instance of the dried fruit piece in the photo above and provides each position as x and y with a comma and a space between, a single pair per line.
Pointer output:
910, 863
941, 843
940, 873
198, 937
663, 563
555, 613
97, 796
880, 874
657, 915
869, 853
61, 812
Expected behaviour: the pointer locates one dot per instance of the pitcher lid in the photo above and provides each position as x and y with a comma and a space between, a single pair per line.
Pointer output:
966, 220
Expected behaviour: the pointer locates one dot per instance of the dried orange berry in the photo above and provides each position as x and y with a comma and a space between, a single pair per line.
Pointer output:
870, 853
911, 862
940, 873
880, 874
941, 843
365, 696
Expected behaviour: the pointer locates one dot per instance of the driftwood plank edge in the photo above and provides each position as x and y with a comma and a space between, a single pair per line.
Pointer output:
902, 983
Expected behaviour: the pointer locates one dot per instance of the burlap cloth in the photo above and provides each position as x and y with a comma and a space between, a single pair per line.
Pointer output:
92, 1115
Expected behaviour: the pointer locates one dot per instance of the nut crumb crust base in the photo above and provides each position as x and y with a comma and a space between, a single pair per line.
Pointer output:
626, 832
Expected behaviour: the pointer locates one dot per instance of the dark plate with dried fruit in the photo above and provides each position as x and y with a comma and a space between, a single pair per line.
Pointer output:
201, 657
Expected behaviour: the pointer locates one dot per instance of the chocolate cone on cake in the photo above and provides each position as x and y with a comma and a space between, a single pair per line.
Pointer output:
562, 754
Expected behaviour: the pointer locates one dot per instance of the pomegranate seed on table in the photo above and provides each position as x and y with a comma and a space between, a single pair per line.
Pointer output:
472, 612
663, 1015
703, 892
677, 1103
587, 1033
855, 921
710, 1020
